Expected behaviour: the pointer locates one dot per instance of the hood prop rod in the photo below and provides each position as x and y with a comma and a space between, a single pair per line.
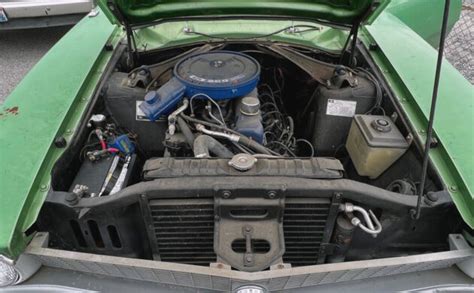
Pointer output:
131, 44
350, 41
429, 132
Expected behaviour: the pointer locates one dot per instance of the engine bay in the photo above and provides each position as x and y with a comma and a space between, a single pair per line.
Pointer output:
245, 155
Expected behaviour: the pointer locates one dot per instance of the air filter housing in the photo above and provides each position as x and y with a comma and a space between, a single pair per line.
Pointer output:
219, 74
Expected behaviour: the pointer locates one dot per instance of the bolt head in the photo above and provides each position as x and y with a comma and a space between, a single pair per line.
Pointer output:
432, 196
71, 198
60, 142
355, 221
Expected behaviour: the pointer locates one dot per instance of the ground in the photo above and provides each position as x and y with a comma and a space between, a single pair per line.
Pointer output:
459, 44
20, 50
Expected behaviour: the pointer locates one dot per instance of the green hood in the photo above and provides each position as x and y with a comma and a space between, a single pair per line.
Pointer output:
340, 12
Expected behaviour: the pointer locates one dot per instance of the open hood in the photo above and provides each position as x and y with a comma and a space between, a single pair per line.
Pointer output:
142, 12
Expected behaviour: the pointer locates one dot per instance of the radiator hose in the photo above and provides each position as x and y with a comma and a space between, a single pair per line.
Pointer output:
203, 144
232, 135
186, 131
235, 138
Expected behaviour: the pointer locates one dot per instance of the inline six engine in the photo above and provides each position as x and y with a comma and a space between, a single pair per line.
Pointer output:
249, 157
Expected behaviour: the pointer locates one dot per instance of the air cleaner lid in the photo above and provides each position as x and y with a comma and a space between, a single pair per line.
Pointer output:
218, 69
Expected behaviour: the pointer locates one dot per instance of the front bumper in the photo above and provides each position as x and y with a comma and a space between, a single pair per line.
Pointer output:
221, 279
95, 283
24, 9
42, 13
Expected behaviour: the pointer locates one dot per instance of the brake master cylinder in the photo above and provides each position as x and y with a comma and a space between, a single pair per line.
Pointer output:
374, 144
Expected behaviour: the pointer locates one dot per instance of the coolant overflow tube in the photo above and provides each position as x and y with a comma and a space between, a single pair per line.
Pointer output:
248, 230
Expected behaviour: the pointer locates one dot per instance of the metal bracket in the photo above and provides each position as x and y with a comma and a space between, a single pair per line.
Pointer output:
248, 256
247, 221
327, 248
140, 76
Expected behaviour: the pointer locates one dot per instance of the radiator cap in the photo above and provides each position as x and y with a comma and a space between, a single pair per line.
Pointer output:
242, 162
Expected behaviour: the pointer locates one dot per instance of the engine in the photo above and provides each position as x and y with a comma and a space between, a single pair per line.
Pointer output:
220, 89
208, 96
237, 157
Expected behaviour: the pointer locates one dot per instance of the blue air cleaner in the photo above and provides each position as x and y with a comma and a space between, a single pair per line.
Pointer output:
219, 74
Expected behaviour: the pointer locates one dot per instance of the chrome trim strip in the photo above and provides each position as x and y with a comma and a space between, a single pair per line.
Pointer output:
227, 280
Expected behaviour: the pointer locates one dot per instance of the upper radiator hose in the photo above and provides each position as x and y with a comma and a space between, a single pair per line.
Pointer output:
204, 144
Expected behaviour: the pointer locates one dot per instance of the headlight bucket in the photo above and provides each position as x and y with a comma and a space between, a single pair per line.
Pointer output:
15, 272
8, 273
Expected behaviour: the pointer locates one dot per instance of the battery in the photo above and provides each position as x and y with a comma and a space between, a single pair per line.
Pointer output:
106, 176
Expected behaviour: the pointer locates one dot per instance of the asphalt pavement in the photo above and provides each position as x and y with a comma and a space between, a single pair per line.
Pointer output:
20, 50
459, 44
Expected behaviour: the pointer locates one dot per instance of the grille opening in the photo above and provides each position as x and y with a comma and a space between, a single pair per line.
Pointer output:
114, 237
184, 230
95, 232
304, 221
257, 246
76, 229
248, 212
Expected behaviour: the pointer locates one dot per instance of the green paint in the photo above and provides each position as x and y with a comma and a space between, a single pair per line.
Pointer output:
172, 34
337, 11
50, 102
429, 25
410, 73
52, 98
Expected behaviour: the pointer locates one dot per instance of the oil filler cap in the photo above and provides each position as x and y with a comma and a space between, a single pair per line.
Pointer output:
250, 106
381, 125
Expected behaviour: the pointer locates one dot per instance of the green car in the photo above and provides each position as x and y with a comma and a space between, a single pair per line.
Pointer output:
246, 146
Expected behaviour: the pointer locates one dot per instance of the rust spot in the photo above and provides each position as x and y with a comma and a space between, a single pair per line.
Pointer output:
10, 111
